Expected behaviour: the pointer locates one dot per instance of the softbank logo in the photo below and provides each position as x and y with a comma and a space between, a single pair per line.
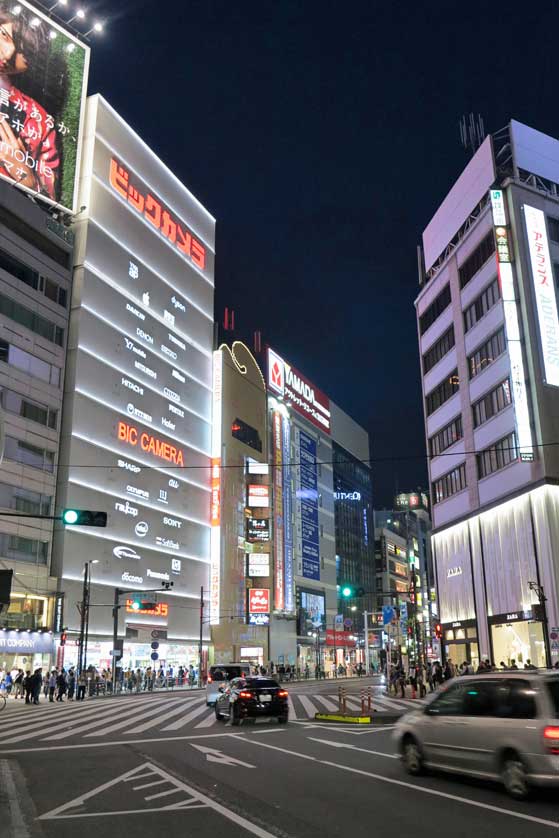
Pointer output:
276, 372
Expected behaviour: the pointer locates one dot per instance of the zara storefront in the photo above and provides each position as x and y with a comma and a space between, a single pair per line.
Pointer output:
489, 570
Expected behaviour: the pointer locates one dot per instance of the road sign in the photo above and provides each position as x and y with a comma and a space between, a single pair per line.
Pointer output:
348, 622
155, 645
115, 653
339, 620
154, 656
387, 614
213, 755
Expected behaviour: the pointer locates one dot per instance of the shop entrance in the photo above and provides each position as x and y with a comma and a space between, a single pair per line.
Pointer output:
460, 644
519, 641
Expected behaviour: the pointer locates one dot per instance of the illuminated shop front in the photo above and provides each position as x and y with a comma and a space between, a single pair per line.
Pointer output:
515, 638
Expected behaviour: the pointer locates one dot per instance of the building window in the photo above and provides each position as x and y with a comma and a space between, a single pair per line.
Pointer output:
497, 456
439, 349
445, 390
446, 437
28, 455
487, 353
33, 278
21, 549
477, 259
482, 304
26, 408
492, 403
553, 228
24, 500
22, 360
439, 304
450, 484
245, 433
30, 320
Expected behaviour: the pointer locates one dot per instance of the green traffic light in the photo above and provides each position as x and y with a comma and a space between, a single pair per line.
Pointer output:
136, 605
70, 516
346, 591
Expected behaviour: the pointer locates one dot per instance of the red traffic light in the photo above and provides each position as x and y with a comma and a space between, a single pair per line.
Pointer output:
438, 631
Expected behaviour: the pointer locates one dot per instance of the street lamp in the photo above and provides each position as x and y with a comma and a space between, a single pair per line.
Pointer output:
84, 624
80, 15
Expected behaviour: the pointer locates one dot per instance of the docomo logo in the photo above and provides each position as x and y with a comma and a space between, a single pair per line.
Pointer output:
129, 577
157, 215
150, 444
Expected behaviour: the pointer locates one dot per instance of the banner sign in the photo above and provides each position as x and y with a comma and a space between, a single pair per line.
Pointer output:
279, 593
289, 603
308, 496
340, 638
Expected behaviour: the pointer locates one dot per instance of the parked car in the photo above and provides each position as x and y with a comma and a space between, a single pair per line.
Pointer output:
500, 726
252, 698
220, 674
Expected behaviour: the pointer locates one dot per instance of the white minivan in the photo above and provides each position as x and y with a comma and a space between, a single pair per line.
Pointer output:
220, 674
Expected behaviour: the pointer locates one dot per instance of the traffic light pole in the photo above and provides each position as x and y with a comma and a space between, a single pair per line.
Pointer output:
82, 621
116, 606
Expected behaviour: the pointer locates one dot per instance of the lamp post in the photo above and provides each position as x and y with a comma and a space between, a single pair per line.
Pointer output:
84, 623
542, 599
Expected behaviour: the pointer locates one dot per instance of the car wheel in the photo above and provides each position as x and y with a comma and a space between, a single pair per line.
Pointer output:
514, 777
219, 716
282, 720
235, 718
412, 756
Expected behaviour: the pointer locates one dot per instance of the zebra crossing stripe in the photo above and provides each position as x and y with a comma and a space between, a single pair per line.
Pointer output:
154, 711
308, 706
175, 710
330, 706
292, 713
208, 721
184, 720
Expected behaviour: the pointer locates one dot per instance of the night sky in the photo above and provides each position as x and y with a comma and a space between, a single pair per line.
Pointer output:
322, 137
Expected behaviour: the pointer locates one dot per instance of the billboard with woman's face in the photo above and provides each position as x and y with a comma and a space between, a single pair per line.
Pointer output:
43, 80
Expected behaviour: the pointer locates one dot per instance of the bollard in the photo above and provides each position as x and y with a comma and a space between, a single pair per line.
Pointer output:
369, 701
340, 700
362, 702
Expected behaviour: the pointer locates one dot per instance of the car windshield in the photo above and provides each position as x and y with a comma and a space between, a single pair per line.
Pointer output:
225, 673
257, 683
553, 689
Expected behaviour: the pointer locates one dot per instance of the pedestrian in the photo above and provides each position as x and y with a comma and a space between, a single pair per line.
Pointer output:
513, 664
413, 680
82, 684
71, 684
28, 687
529, 664
37, 679
52, 684
18, 684
437, 674
420, 675
503, 665
61, 685
402, 681
447, 673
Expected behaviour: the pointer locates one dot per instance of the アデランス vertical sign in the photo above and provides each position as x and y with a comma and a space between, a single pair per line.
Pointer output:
544, 290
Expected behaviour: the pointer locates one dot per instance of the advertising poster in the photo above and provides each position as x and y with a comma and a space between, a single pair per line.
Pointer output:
43, 84
312, 611
308, 496
279, 591
287, 518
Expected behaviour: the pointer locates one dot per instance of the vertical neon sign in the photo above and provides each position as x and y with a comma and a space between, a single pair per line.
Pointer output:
215, 502
287, 517
544, 289
279, 597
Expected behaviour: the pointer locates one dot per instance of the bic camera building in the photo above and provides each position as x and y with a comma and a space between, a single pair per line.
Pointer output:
489, 342
277, 537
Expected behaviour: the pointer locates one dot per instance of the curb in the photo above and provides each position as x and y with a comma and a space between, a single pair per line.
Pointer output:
377, 718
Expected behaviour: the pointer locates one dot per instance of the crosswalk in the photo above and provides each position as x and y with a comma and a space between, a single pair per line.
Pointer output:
133, 717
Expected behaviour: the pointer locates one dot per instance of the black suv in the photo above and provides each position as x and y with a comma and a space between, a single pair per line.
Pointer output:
252, 698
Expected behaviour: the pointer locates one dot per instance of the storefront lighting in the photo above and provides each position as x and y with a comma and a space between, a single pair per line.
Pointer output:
35, 22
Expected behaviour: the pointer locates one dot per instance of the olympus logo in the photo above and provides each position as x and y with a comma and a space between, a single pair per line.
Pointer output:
131, 346
135, 311
178, 304
141, 493
132, 386
144, 335
169, 352
172, 522
174, 409
167, 542
156, 574
167, 423
129, 466
177, 342
126, 509
171, 394
179, 376
146, 370
139, 414
129, 577
122, 552
141, 529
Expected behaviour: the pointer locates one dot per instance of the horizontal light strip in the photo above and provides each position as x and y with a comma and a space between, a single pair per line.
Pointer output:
143, 547
126, 456
139, 502
154, 315
153, 271
112, 587
95, 354
164, 241
138, 340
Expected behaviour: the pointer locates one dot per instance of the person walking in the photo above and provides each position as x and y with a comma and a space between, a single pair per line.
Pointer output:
61, 685
71, 684
28, 687
37, 680
82, 684
420, 675
52, 684
18, 684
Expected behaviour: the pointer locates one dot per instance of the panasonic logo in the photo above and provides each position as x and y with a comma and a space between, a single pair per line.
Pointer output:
127, 509
139, 414
144, 335
174, 409
172, 522
135, 311
177, 342
156, 574
171, 394
132, 386
122, 552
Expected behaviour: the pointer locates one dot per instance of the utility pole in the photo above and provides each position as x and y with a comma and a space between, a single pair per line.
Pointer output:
82, 621
200, 641
542, 599
366, 629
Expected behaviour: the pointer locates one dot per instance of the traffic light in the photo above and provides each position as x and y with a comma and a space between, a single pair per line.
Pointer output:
350, 591
139, 605
63, 636
84, 518
438, 631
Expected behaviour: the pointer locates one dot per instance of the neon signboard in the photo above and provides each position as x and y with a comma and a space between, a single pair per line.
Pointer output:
149, 443
544, 289
279, 593
304, 397
259, 601
215, 496
161, 609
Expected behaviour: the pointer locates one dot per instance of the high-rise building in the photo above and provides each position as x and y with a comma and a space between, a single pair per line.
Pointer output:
138, 398
488, 332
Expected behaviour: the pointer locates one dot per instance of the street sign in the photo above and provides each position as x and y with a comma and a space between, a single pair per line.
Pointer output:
387, 614
348, 622
155, 645
154, 656
115, 653
339, 620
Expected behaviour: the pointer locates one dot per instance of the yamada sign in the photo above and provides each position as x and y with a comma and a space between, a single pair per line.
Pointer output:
305, 398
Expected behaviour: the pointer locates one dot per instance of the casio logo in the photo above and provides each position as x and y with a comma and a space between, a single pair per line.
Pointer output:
122, 552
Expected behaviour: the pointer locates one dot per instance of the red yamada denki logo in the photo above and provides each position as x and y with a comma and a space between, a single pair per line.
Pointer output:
276, 372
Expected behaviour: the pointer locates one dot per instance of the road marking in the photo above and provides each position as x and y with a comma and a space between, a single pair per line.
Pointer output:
326, 703
213, 755
158, 719
154, 711
184, 720
352, 747
207, 722
421, 789
292, 713
16, 821
194, 800
308, 706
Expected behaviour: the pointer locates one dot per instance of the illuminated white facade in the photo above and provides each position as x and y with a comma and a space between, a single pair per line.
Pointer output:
488, 331
138, 401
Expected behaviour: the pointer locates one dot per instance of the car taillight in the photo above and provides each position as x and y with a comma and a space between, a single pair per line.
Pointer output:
245, 695
282, 693
209, 679
551, 737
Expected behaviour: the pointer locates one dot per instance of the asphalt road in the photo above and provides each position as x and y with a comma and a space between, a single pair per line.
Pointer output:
301, 781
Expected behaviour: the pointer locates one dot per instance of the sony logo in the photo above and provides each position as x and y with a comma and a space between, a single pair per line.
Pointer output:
172, 522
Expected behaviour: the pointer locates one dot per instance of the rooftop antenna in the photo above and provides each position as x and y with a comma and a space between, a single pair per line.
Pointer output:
472, 132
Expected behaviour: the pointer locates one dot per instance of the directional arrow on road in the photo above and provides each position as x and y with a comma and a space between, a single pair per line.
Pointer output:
352, 747
213, 755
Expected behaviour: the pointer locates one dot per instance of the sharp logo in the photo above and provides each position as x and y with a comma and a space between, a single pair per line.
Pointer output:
141, 529
122, 552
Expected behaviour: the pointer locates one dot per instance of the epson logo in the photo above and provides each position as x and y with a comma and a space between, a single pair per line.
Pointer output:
167, 423
169, 352
132, 386
141, 529
135, 311
131, 346
172, 522
174, 409
143, 368
134, 580
139, 414
140, 493
177, 342
178, 304
171, 394
179, 376
123, 552
127, 509
129, 466
144, 335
